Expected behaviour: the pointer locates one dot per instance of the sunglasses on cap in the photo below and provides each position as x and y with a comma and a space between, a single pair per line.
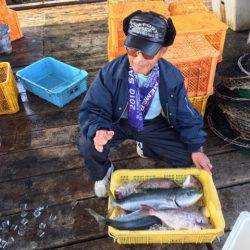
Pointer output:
135, 52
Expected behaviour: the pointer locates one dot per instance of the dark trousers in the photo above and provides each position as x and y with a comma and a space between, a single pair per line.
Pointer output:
159, 141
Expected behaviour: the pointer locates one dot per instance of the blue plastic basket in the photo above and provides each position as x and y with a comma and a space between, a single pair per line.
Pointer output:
54, 81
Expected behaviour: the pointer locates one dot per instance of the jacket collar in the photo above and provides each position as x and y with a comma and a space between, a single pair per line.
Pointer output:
122, 72
122, 68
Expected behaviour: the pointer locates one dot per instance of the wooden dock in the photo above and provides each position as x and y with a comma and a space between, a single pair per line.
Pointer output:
39, 161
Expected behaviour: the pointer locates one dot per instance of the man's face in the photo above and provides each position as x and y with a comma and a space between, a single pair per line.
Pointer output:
144, 66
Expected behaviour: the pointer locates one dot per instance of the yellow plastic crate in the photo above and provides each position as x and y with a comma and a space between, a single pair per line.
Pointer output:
200, 103
187, 7
8, 90
211, 200
204, 23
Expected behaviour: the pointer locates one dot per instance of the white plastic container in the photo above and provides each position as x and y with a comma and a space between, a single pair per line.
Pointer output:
239, 237
235, 12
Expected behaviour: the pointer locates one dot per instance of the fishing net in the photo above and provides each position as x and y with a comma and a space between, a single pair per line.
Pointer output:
238, 117
233, 83
220, 126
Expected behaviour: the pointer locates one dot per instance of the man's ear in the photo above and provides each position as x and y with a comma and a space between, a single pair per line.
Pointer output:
163, 51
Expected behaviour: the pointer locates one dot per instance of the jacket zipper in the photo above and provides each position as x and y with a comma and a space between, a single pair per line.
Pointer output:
188, 106
121, 114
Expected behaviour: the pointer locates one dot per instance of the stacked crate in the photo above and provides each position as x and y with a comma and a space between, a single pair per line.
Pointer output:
117, 12
196, 59
186, 7
202, 23
9, 17
197, 48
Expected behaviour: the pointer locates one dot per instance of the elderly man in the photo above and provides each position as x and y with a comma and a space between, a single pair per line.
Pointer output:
142, 97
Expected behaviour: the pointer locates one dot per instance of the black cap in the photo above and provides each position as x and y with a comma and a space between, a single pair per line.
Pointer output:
148, 32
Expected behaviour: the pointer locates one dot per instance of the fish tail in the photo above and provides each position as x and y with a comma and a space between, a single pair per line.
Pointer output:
100, 219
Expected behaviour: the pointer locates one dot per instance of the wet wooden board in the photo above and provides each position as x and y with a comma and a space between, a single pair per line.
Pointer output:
39, 122
28, 155
39, 139
218, 244
52, 159
74, 225
44, 29
107, 243
75, 180
44, 4
39, 161
59, 135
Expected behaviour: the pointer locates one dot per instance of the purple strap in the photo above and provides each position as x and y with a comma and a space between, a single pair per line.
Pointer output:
140, 99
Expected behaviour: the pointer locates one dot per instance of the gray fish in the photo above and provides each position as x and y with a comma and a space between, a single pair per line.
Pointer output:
154, 183
125, 190
133, 221
157, 183
180, 219
159, 199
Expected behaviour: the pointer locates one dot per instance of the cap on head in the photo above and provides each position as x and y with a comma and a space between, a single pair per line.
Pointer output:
148, 32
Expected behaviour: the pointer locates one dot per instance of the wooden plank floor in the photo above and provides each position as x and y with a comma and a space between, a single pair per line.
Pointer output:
39, 162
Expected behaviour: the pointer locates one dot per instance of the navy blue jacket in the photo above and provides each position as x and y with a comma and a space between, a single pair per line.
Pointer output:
107, 99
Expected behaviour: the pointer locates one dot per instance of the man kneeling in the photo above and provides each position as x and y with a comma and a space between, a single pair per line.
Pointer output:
142, 97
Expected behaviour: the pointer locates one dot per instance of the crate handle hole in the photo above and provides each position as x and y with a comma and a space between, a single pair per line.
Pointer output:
72, 91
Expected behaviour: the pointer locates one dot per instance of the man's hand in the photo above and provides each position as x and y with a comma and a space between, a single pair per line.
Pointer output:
201, 161
101, 138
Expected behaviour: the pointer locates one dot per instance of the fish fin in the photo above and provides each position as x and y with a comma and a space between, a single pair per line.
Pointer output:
192, 182
112, 199
113, 203
146, 206
186, 182
110, 211
99, 218
204, 211
146, 209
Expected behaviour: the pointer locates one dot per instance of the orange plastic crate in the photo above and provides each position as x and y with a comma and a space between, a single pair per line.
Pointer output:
2, 3
204, 23
122, 9
118, 11
186, 7
9, 17
194, 57
8, 90
3, 9
126, 1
